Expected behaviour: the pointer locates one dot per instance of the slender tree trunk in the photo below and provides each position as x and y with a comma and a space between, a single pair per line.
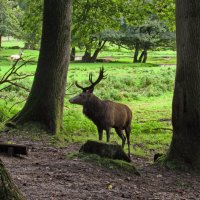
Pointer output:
46, 99
145, 56
87, 56
135, 58
97, 51
0, 41
141, 57
185, 145
8, 189
73, 54
94, 56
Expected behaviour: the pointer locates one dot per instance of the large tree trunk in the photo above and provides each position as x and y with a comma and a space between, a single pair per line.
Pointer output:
185, 145
8, 189
46, 99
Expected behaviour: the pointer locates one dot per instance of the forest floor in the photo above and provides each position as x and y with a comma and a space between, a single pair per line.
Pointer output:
47, 173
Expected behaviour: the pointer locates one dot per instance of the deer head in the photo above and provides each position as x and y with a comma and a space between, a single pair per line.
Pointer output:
87, 92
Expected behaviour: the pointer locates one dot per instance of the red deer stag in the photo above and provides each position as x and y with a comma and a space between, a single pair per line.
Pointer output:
105, 114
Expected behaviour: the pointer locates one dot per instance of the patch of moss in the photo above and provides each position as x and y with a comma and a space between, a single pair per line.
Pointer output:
105, 162
175, 164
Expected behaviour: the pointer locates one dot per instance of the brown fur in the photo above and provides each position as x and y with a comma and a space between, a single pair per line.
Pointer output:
107, 114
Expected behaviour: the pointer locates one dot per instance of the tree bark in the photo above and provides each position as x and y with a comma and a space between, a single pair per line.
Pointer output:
8, 189
185, 145
46, 99
73, 54
135, 58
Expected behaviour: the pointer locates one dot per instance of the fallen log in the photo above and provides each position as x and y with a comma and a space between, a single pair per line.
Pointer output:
13, 149
107, 150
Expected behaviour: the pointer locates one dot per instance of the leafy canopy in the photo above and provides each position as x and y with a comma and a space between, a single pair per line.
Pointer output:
9, 18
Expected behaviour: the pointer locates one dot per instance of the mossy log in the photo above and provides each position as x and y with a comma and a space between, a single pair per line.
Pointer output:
107, 150
8, 190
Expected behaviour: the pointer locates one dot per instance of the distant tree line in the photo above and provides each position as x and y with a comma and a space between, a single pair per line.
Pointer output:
136, 25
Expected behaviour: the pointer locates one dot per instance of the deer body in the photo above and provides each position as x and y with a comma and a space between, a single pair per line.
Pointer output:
16, 56
105, 114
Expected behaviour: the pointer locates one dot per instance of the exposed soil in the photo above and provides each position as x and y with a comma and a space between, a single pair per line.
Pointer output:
47, 173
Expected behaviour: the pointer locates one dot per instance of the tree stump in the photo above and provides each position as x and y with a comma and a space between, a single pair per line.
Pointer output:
107, 150
8, 190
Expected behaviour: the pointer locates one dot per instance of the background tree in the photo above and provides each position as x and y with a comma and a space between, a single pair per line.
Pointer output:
165, 10
147, 36
46, 99
90, 19
185, 145
31, 22
9, 23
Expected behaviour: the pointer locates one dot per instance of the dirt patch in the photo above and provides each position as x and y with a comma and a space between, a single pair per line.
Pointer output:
47, 173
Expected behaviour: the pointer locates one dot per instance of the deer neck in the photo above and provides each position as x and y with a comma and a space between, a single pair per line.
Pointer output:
93, 107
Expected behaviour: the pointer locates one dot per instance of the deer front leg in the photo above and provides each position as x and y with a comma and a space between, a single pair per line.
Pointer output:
100, 132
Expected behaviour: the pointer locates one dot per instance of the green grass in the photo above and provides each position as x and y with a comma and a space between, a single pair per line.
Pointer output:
145, 88
10, 42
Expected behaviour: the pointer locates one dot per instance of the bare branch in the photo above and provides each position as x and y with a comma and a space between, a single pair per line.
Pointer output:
20, 86
16, 104
13, 71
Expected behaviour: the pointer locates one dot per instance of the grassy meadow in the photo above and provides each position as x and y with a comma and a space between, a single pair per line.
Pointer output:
146, 88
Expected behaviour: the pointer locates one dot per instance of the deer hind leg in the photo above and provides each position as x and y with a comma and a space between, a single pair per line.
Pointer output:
108, 134
128, 131
121, 135
100, 132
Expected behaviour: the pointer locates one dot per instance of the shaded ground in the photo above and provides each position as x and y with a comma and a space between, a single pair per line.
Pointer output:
47, 173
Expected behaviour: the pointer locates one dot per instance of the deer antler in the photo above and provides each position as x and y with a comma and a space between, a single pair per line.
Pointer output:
101, 76
93, 84
77, 85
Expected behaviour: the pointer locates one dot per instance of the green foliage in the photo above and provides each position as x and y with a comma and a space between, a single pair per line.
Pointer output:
32, 22
90, 18
165, 10
151, 34
9, 18
131, 82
